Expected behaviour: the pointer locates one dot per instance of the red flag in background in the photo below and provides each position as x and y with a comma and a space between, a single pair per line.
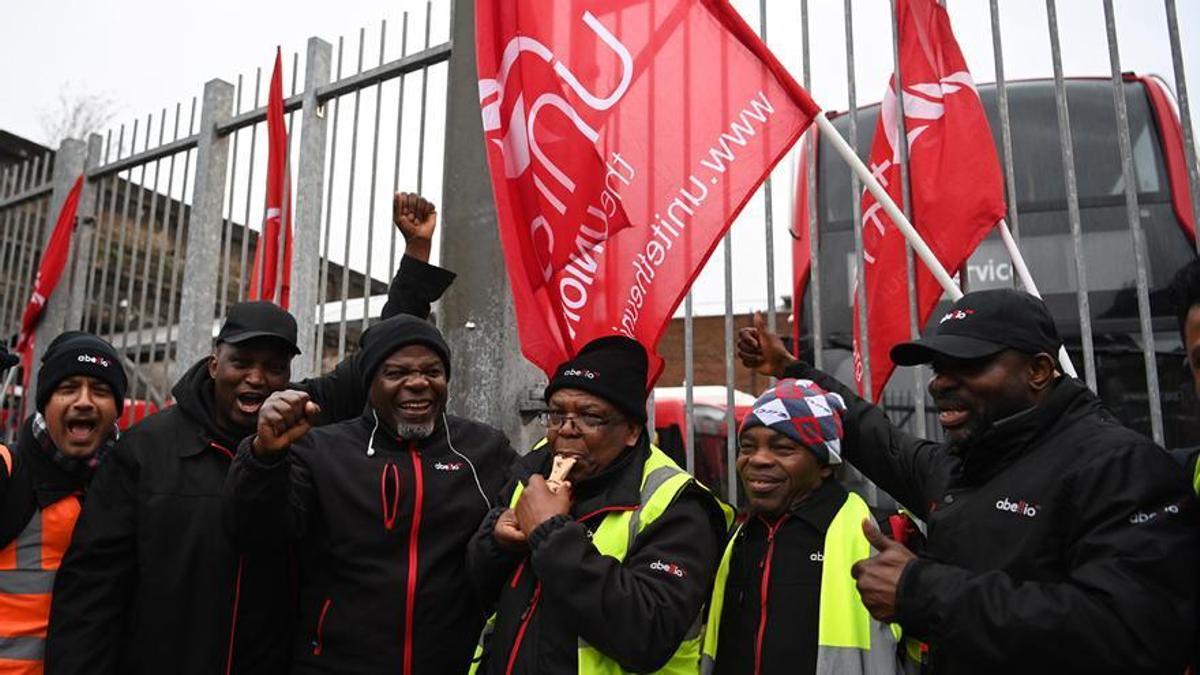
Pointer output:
623, 137
271, 276
957, 189
54, 259
801, 236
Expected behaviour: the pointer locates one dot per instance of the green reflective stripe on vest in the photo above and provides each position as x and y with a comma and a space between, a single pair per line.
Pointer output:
844, 622
662, 481
848, 640
708, 656
1196, 476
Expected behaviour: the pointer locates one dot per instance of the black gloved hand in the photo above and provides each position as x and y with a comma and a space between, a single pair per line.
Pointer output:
7, 360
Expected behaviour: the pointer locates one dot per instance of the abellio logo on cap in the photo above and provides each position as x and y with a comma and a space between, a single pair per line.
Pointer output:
956, 315
98, 360
581, 372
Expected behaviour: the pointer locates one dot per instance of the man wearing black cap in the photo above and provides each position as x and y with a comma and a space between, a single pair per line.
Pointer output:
608, 571
379, 509
80, 394
153, 581
1058, 540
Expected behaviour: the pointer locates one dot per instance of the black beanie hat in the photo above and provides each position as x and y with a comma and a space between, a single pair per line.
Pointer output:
384, 338
78, 353
614, 368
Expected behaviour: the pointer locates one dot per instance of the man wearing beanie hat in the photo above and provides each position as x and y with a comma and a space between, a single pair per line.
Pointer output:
153, 581
783, 589
609, 571
378, 509
1059, 541
80, 395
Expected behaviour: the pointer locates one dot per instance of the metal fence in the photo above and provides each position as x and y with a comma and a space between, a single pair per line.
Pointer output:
174, 202
173, 205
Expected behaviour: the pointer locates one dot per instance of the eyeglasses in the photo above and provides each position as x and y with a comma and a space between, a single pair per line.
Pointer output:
585, 422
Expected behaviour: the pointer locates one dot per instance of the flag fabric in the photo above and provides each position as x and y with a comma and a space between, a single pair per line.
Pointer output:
270, 277
54, 259
956, 184
623, 137
801, 236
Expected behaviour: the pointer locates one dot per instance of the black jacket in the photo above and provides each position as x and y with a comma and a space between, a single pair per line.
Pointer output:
152, 581
380, 539
1060, 541
629, 611
791, 616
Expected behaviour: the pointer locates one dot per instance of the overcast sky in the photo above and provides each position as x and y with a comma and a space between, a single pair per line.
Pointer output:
148, 54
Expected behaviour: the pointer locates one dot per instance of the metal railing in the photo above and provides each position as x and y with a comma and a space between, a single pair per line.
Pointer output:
174, 203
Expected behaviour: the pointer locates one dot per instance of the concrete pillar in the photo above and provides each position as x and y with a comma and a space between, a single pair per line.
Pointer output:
310, 188
199, 293
492, 381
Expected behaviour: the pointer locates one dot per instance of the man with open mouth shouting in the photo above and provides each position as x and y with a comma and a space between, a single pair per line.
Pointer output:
379, 509
80, 395
1058, 540
153, 582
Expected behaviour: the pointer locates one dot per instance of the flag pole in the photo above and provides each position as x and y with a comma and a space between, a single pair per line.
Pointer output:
1027, 281
910, 233
885, 200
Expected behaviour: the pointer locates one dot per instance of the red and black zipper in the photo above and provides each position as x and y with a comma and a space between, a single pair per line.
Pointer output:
764, 590
527, 615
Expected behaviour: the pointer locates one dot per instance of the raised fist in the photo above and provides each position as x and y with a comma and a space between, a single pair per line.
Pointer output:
283, 419
416, 218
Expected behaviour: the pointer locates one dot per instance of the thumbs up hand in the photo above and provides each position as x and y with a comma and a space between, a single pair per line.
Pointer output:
284, 418
878, 577
762, 350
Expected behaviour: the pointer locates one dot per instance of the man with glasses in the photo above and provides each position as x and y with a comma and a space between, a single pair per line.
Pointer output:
608, 570
379, 510
1058, 540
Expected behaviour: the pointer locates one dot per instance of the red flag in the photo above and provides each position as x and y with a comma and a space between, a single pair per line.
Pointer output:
801, 231
270, 280
623, 138
54, 259
957, 189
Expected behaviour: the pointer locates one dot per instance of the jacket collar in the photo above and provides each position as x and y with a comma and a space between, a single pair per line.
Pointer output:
1010, 438
818, 509
195, 398
383, 436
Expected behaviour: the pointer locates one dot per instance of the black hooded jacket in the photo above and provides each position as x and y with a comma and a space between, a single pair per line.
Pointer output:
152, 581
565, 591
380, 526
1059, 541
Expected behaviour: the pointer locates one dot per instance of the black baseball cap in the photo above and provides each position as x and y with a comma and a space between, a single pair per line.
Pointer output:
984, 323
257, 319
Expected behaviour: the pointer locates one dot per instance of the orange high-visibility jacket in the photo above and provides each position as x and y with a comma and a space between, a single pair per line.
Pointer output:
27, 568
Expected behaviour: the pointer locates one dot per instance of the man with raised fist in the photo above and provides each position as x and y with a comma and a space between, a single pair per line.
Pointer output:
379, 510
1058, 540
153, 582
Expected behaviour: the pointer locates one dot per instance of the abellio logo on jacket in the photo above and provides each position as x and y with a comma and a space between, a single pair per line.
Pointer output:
669, 568
1022, 507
